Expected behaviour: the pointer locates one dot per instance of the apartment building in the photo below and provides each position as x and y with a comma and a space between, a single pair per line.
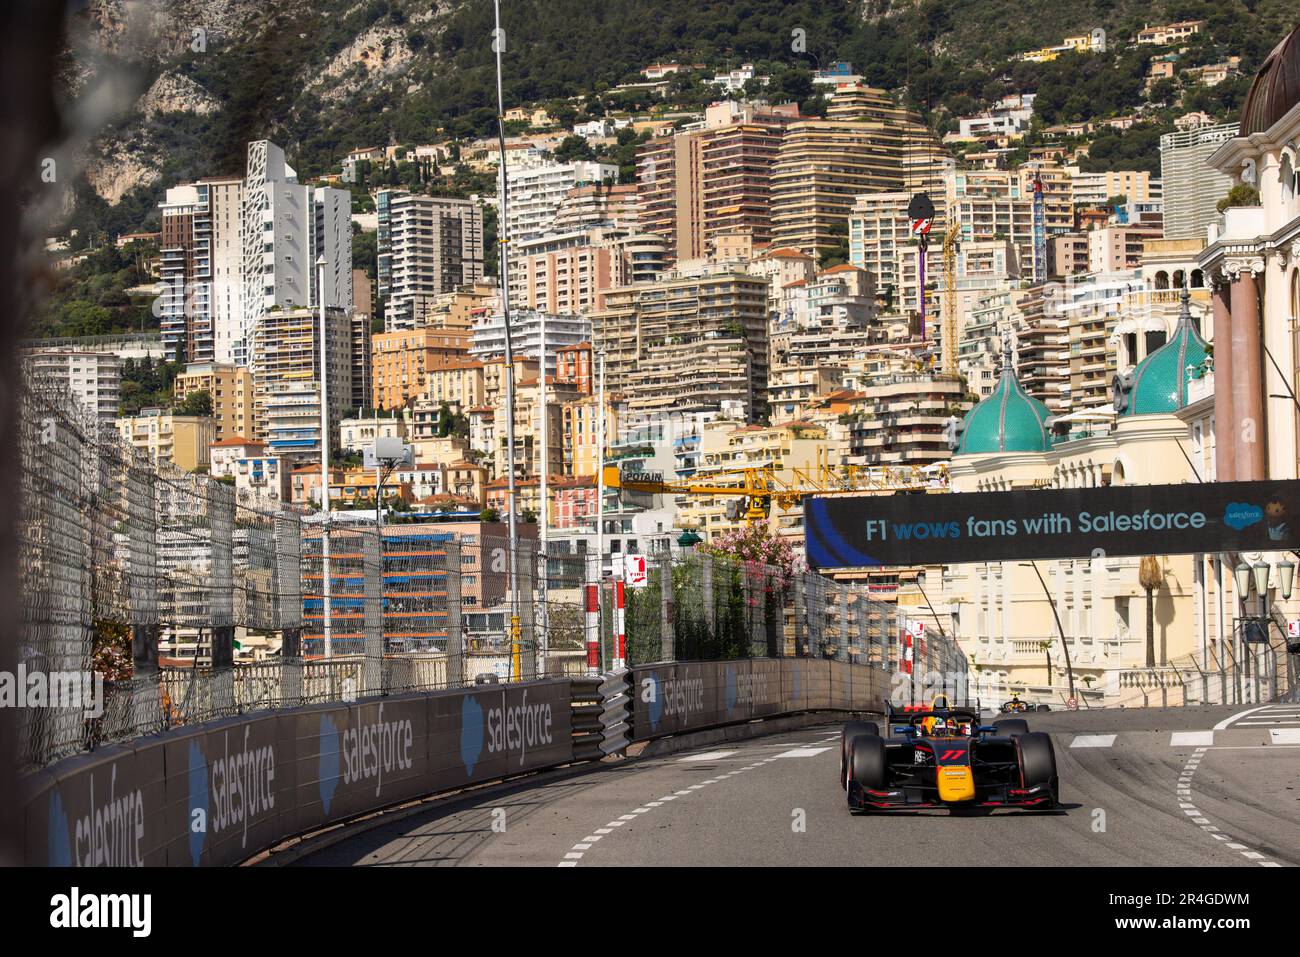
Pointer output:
1096, 189
458, 384
231, 389
1042, 338
687, 343
979, 349
711, 179
580, 421
880, 237
598, 204
569, 273
200, 256
400, 360
575, 364
867, 144
536, 194
286, 230
168, 439
780, 267
286, 376
488, 339
427, 246
93, 378
1192, 187
1118, 248
256, 472
899, 418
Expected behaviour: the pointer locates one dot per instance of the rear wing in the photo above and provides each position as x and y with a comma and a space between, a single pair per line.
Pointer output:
907, 714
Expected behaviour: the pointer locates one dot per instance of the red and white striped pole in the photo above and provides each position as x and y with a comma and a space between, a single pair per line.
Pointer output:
591, 590
620, 623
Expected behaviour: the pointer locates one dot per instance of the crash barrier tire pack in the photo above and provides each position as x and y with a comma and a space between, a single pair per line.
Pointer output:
219, 793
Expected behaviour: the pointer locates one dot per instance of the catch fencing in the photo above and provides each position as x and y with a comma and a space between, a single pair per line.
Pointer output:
195, 601
721, 609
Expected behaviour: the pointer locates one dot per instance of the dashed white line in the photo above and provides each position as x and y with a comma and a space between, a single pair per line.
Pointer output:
1093, 741
1203, 822
574, 856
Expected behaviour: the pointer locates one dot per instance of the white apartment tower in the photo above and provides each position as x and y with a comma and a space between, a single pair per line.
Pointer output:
1192, 188
286, 227
426, 246
536, 194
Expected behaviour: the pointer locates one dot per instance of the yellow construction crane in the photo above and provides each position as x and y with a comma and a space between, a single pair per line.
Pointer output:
950, 299
758, 487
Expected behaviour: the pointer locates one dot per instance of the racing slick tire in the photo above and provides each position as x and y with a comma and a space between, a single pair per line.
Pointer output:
847, 733
1012, 727
1038, 762
867, 762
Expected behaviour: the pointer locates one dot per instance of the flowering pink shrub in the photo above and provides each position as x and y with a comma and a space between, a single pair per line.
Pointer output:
758, 552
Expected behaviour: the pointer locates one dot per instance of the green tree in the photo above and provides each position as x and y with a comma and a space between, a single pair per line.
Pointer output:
195, 403
1243, 194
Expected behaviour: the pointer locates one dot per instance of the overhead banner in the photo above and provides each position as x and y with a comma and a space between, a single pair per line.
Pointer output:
950, 528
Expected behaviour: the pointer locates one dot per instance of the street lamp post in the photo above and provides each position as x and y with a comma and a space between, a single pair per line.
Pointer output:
327, 642
1069, 668
498, 43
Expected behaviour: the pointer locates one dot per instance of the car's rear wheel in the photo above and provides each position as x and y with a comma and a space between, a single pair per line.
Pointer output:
867, 762
1012, 727
847, 733
1038, 763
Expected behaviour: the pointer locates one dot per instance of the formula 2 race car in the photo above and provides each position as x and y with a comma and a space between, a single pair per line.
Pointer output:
943, 757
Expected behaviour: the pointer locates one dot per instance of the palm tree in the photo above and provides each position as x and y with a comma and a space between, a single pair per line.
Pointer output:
1151, 576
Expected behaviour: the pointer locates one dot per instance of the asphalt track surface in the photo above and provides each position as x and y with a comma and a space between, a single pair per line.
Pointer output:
1167, 789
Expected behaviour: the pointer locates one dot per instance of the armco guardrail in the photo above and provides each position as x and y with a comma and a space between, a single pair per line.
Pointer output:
689, 696
219, 793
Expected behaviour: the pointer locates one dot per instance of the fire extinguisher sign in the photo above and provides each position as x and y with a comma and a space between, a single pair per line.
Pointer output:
634, 571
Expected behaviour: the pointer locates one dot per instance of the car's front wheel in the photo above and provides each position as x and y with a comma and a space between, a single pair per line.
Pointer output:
1038, 763
867, 762
847, 733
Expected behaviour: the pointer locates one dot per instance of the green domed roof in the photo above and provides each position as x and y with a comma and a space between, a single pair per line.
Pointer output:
1158, 384
1010, 420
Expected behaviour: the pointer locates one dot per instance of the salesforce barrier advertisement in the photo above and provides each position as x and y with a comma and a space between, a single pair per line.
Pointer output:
671, 699
851, 532
220, 793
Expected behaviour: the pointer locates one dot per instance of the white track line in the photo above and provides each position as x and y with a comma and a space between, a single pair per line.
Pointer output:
1240, 714
575, 854
1184, 793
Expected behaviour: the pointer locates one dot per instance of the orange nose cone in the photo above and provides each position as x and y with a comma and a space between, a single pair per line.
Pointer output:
955, 784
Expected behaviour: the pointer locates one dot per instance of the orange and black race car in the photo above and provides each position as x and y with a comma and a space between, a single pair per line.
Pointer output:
943, 757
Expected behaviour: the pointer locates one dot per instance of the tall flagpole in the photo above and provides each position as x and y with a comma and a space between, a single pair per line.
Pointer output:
498, 43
